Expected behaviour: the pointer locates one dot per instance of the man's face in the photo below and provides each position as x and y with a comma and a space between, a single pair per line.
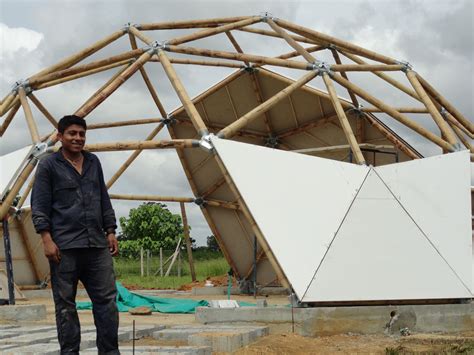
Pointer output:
73, 138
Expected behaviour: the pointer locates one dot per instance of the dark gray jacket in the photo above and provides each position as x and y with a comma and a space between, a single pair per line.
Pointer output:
75, 208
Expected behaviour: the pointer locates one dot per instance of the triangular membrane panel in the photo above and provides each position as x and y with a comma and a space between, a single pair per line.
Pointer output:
379, 253
298, 201
436, 193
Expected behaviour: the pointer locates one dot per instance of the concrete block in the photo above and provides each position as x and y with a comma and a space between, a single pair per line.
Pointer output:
88, 340
24, 312
208, 291
142, 330
220, 342
44, 349
183, 332
273, 291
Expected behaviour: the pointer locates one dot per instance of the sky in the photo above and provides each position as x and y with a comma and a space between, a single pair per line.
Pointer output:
436, 37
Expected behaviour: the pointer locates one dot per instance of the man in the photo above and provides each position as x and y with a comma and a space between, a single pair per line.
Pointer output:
72, 211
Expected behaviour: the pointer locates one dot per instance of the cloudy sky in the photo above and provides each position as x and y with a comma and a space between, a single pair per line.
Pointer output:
436, 37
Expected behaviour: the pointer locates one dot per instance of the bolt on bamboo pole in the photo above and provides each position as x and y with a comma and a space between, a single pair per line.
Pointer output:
393, 113
43, 110
346, 127
440, 122
321, 37
114, 85
35, 138
231, 129
9, 118
214, 31
132, 157
188, 241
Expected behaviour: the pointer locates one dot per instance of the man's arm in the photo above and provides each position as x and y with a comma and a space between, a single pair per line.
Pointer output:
41, 200
108, 214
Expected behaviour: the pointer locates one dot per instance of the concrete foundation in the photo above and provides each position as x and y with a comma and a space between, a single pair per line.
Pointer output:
28, 312
357, 319
222, 290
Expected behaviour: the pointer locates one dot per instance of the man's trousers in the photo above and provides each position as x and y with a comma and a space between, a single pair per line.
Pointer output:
94, 268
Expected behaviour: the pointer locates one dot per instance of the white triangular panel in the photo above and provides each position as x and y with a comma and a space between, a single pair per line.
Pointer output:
436, 193
9, 167
298, 201
380, 254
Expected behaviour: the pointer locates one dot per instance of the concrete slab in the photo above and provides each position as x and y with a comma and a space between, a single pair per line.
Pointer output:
24, 312
337, 320
28, 339
47, 293
44, 349
142, 330
219, 342
183, 332
145, 350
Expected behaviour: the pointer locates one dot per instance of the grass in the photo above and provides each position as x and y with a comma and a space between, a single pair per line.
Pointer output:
206, 264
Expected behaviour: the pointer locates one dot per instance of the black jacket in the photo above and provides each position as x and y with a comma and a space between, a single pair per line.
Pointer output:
75, 208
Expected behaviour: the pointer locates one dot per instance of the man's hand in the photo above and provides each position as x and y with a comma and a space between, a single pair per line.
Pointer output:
51, 250
113, 244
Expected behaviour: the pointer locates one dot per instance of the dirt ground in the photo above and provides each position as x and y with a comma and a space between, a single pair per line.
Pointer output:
289, 343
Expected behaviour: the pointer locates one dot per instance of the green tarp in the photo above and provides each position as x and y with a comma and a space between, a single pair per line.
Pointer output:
127, 300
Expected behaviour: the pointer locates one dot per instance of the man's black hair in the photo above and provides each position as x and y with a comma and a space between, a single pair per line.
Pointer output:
67, 121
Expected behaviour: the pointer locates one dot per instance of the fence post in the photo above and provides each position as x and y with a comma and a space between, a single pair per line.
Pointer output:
179, 263
188, 242
148, 262
161, 262
141, 262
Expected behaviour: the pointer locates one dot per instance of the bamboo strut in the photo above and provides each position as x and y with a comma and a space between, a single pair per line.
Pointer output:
43, 110
274, 34
241, 132
83, 74
353, 97
214, 31
191, 110
456, 123
207, 63
230, 130
346, 127
366, 67
440, 122
239, 56
114, 85
86, 67
151, 198
9, 118
147, 81
132, 157
25, 194
235, 44
75, 58
124, 123
190, 24
325, 39
224, 204
392, 112
461, 137
399, 109
188, 241
9, 102
35, 138
133, 145
336, 148
446, 104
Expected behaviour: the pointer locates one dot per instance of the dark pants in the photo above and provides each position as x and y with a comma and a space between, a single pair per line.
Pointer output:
94, 268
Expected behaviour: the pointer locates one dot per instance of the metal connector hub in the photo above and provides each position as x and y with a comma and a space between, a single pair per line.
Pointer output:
206, 143
406, 65
265, 16
155, 46
199, 201
169, 120
22, 83
40, 150
322, 67
127, 26
272, 142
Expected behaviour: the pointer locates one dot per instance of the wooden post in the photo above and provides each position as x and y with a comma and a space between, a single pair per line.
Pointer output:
441, 123
132, 157
193, 114
148, 262
392, 112
142, 273
43, 110
231, 129
161, 262
175, 255
346, 127
179, 263
188, 241
35, 138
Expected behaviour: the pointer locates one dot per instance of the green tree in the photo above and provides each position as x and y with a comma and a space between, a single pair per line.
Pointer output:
212, 243
154, 224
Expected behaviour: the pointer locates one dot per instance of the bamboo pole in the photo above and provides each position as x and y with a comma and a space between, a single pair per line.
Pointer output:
151, 198
461, 137
114, 85
83, 74
446, 104
206, 63
188, 241
132, 157
35, 138
211, 189
387, 133
107, 83
43, 110
337, 148
214, 31
393, 113
259, 235
366, 67
25, 194
224, 204
133, 145
274, 34
9, 102
147, 81
257, 111
346, 127
190, 24
191, 110
456, 123
325, 39
75, 58
399, 109
242, 132
235, 44
239, 56
124, 123
293, 54
354, 100
440, 122
86, 67
9, 118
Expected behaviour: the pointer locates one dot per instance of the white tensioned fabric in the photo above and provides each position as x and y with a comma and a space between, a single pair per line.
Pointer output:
298, 201
436, 193
380, 253
9, 165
